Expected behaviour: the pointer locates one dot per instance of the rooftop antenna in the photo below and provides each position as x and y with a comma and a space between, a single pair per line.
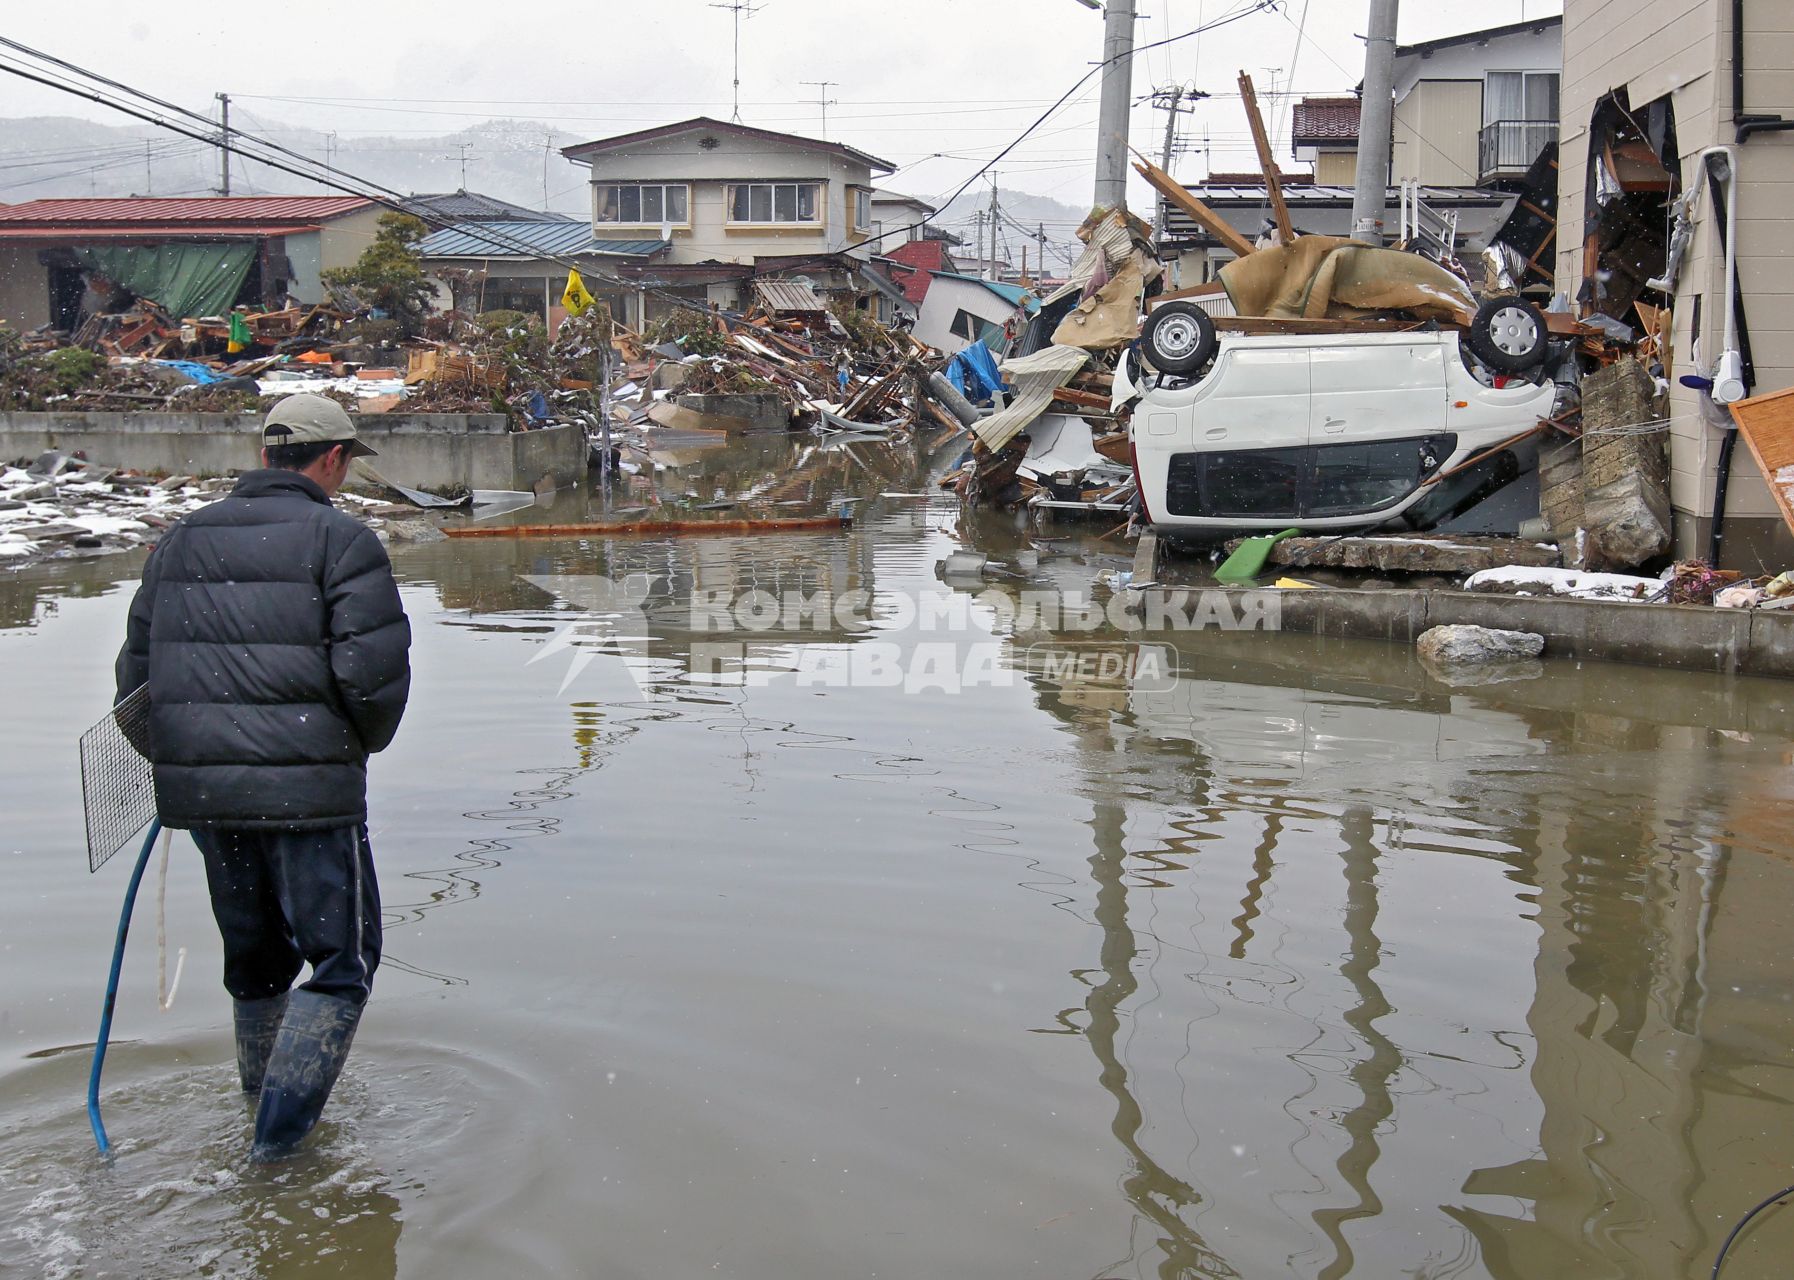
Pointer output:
822, 100
739, 9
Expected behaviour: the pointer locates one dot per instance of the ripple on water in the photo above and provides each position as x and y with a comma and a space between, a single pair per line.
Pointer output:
180, 1198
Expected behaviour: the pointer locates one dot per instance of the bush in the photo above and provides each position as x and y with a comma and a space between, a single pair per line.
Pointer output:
72, 368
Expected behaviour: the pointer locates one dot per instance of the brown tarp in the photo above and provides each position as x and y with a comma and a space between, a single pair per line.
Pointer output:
1326, 277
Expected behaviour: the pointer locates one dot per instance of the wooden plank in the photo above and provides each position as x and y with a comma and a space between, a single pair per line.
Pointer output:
1273, 182
1205, 217
1767, 424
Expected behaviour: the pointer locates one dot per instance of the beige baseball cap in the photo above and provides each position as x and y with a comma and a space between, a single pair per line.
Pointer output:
304, 418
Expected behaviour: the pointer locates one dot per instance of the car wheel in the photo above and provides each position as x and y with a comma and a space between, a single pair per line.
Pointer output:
1508, 334
1179, 338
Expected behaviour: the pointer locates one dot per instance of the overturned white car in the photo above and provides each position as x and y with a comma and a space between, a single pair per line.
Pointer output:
1327, 431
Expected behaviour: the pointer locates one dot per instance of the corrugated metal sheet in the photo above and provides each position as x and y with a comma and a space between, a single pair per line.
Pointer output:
1034, 378
151, 231
164, 211
788, 295
529, 240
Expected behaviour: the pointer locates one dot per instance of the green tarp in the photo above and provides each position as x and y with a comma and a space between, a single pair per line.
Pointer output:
187, 279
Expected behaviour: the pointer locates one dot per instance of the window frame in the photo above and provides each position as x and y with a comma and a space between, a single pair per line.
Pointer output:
684, 188
769, 204
859, 209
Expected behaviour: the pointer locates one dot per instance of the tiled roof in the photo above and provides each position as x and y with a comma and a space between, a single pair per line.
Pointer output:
471, 206
923, 257
1325, 120
529, 240
704, 124
163, 212
1245, 179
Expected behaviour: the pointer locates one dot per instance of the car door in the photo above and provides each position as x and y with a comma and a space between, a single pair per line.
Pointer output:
1377, 420
1250, 433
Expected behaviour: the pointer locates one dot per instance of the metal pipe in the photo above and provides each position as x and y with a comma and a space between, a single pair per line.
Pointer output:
1728, 374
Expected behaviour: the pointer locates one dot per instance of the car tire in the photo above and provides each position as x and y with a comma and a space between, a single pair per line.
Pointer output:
1508, 334
1179, 338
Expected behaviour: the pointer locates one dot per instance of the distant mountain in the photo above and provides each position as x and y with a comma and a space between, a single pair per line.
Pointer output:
44, 156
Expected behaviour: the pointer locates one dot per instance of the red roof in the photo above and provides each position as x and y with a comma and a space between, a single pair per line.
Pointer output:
156, 216
922, 257
1325, 120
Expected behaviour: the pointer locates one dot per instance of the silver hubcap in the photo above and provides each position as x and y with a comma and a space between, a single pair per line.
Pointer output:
1513, 331
1177, 336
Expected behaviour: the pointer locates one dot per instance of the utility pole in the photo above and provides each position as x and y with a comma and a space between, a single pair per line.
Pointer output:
1040, 239
547, 146
149, 177
463, 148
995, 272
1171, 101
823, 100
1371, 184
329, 149
224, 146
978, 221
1117, 92
739, 9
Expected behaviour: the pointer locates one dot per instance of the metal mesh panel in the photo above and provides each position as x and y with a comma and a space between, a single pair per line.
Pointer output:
116, 788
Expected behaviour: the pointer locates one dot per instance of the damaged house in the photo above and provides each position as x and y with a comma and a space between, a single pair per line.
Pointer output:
1677, 154
193, 256
736, 205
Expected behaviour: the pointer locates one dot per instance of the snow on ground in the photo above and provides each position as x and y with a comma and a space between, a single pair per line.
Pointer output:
1579, 583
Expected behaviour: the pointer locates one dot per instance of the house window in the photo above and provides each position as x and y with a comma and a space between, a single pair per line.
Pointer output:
639, 204
862, 208
774, 202
1520, 95
966, 325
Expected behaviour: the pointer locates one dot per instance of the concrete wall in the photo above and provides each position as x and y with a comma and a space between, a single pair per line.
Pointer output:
422, 451
1682, 49
710, 171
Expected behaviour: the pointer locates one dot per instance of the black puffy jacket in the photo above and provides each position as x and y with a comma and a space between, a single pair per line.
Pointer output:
270, 631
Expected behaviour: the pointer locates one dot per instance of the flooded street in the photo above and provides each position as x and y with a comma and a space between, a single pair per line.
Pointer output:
1289, 960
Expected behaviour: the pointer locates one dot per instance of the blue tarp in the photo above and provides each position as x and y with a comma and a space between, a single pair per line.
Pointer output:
974, 373
194, 370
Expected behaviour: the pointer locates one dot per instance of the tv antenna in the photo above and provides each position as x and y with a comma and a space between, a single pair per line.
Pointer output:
822, 100
739, 9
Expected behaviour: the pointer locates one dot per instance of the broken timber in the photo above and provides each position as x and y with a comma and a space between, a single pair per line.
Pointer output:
1205, 217
1273, 184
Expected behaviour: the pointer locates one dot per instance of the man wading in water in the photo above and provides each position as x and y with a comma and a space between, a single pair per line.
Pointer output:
269, 629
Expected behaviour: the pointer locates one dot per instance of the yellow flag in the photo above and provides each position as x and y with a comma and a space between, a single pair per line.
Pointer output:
576, 298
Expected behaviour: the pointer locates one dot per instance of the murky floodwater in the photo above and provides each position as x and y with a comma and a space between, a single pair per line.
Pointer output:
1288, 960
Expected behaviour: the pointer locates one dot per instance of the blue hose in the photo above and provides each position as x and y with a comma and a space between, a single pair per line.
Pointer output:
118, 962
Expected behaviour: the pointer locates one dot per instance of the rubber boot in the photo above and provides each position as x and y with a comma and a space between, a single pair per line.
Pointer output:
308, 1056
258, 1022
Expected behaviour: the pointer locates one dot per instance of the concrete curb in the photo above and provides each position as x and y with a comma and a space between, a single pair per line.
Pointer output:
1683, 637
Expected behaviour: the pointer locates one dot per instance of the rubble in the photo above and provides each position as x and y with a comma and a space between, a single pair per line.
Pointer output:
1459, 645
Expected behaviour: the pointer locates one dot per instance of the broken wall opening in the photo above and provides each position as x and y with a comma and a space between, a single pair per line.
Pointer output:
1633, 175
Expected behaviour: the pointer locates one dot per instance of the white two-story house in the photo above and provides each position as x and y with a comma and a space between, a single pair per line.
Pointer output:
736, 203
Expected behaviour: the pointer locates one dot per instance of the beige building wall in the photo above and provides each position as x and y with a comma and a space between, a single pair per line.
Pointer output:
344, 239
1682, 49
1336, 168
1436, 130
709, 172
24, 287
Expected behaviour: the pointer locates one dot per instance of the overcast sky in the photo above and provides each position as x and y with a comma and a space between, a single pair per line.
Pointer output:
934, 86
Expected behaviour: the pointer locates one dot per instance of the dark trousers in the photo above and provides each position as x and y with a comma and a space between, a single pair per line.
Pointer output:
283, 898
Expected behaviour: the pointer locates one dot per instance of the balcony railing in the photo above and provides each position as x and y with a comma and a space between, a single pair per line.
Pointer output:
1508, 147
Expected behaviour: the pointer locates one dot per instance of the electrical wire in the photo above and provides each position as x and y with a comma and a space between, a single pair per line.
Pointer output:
1783, 1194
252, 146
